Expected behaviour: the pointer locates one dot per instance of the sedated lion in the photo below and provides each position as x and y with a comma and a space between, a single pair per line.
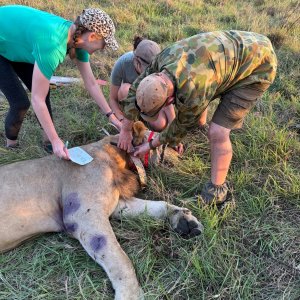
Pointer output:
51, 195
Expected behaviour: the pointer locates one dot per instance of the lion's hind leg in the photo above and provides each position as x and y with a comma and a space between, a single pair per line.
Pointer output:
181, 219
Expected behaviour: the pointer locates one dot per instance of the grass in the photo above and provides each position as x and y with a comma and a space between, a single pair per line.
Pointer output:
251, 252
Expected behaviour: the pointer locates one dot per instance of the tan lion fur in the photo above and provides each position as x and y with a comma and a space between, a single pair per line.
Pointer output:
125, 181
52, 195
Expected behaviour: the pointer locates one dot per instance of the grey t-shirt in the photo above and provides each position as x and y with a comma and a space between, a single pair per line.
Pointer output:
123, 70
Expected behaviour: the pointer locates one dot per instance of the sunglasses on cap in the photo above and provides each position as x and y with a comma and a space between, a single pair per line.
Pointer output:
143, 60
149, 117
152, 117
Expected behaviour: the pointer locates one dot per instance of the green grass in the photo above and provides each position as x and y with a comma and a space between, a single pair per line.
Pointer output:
251, 252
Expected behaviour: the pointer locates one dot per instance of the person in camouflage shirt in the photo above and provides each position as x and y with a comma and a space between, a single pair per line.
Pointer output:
235, 66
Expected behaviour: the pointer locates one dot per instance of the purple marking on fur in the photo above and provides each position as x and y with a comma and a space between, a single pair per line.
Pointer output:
71, 227
71, 204
98, 242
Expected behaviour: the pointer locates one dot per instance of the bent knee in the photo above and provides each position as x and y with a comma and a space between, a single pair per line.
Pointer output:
217, 133
20, 106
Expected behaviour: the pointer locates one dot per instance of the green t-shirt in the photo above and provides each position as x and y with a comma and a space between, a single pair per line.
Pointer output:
30, 35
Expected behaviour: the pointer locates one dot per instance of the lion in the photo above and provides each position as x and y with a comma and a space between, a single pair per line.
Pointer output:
53, 195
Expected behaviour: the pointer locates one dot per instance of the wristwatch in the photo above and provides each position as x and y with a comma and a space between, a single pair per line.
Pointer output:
110, 113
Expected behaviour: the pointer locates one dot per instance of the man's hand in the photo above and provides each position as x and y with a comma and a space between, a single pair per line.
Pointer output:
179, 148
125, 138
125, 141
60, 150
142, 149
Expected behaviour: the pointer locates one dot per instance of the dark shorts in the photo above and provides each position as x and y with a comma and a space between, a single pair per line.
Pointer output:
235, 104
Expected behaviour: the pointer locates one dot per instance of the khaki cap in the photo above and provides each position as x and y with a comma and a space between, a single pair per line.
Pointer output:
151, 96
146, 50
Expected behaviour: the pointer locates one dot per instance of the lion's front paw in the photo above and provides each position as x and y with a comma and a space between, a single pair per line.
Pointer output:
185, 224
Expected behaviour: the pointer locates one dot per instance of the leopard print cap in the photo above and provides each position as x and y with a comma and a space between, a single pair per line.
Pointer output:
98, 21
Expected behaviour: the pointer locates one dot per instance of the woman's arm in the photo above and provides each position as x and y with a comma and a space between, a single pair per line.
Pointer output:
39, 91
95, 91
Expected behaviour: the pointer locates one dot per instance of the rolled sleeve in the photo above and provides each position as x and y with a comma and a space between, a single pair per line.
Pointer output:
82, 55
178, 129
49, 61
173, 134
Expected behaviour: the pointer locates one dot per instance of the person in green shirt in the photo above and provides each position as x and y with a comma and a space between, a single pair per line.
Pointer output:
235, 66
32, 44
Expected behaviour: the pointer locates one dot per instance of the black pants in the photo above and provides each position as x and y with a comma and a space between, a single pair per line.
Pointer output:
11, 87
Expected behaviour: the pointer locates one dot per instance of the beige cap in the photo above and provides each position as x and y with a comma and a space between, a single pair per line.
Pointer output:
146, 50
151, 96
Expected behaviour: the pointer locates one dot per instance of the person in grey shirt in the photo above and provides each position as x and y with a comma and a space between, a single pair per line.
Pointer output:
127, 68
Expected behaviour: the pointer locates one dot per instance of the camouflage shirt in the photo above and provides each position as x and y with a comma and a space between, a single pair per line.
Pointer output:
203, 67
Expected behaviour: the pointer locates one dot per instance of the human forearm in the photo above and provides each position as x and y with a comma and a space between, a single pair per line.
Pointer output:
96, 93
221, 153
92, 86
113, 101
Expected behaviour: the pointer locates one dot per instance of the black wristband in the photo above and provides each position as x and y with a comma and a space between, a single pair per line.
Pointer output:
109, 114
151, 145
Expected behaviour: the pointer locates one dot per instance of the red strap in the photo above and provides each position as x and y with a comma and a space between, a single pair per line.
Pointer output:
146, 158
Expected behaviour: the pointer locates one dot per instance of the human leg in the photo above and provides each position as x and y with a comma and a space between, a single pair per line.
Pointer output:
17, 98
221, 152
123, 91
24, 72
203, 118
230, 113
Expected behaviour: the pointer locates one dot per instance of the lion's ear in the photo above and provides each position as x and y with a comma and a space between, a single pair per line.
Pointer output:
139, 128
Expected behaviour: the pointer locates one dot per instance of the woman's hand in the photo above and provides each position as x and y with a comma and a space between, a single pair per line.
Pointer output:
115, 121
60, 150
142, 149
